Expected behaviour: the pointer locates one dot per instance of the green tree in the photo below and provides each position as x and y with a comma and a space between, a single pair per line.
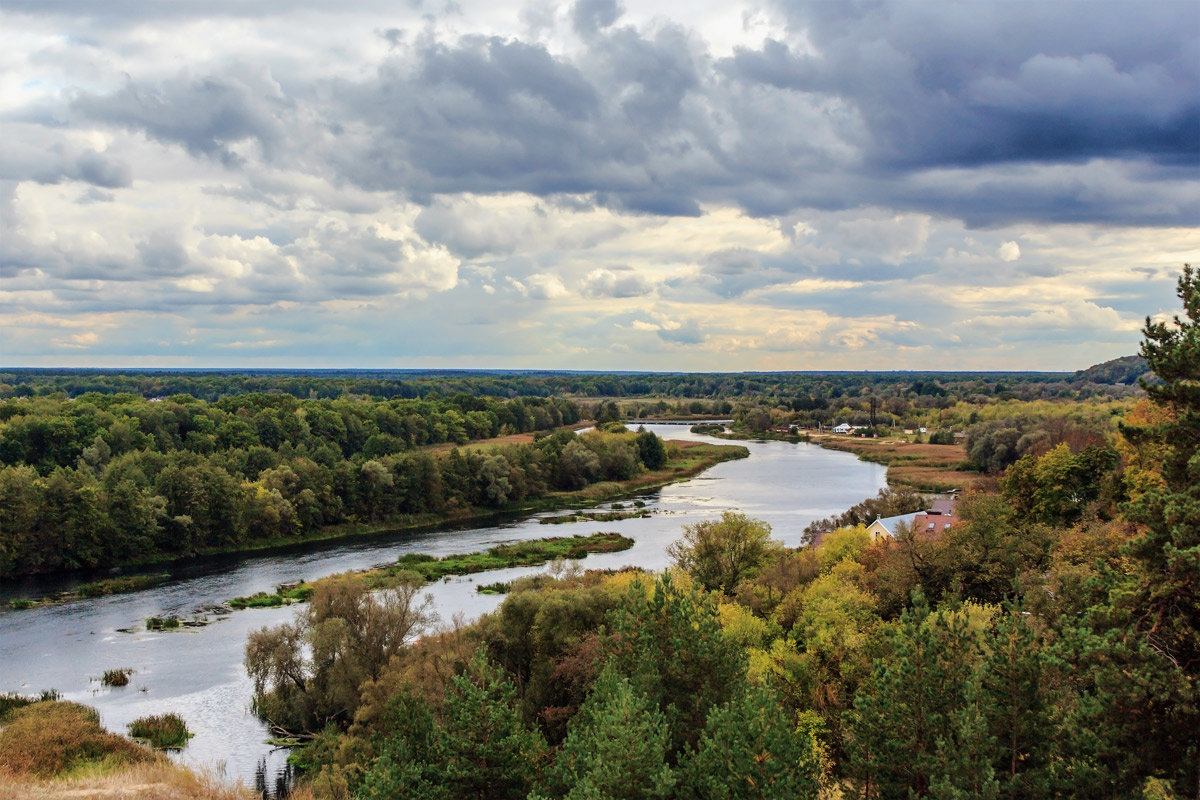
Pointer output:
750, 749
1163, 597
651, 450
720, 554
617, 747
671, 647
485, 750
406, 766
1017, 707
917, 728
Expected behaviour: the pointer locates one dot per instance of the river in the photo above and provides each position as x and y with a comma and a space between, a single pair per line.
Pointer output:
198, 673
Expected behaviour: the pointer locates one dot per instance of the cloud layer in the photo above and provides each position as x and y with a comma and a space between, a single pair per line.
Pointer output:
775, 185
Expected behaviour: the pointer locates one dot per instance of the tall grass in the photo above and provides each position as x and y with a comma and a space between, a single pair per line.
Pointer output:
164, 731
116, 677
46, 738
157, 780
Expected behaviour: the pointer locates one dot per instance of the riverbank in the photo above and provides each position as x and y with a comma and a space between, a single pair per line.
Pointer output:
914, 465
429, 568
919, 466
685, 459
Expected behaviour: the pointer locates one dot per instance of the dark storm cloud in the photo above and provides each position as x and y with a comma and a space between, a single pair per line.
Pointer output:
32, 153
989, 112
206, 115
589, 16
943, 84
485, 114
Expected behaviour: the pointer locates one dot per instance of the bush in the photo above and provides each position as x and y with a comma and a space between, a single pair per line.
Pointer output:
49, 737
10, 702
162, 623
164, 731
116, 677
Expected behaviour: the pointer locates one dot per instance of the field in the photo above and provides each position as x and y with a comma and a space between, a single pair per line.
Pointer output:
920, 466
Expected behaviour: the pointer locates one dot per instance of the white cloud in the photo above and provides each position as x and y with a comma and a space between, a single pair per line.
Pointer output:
1009, 251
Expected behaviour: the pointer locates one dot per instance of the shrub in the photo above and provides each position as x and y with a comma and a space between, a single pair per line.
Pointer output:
116, 677
162, 623
49, 737
164, 731
10, 702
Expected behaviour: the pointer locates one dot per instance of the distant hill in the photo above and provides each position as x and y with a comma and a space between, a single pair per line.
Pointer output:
1124, 370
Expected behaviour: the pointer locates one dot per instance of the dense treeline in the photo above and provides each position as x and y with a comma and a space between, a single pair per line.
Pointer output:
796, 391
111, 479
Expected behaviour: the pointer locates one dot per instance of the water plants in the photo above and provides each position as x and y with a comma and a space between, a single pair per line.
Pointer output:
116, 677
164, 731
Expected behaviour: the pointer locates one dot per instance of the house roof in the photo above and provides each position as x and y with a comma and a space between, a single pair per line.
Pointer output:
945, 506
930, 524
889, 523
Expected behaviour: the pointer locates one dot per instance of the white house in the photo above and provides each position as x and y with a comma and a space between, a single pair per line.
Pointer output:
845, 427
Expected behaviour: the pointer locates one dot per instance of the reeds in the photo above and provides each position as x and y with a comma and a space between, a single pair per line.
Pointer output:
164, 731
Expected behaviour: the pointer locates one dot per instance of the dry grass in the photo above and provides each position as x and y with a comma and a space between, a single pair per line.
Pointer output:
921, 466
48, 738
159, 780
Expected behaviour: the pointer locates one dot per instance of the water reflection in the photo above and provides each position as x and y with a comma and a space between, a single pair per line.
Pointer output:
271, 782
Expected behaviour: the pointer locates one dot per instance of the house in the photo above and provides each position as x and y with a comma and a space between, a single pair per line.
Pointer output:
886, 526
845, 427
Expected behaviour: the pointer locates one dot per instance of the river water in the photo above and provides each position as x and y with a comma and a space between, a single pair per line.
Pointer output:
198, 673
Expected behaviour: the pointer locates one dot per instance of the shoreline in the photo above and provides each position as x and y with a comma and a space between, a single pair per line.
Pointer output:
922, 467
134, 576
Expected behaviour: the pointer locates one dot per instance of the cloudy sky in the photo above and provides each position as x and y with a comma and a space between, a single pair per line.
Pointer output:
713, 185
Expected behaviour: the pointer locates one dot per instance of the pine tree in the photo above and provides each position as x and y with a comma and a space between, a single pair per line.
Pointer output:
750, 749
917, 727
1017, 708
406, 766
616, 747
1163, 600
671, 647
487, 751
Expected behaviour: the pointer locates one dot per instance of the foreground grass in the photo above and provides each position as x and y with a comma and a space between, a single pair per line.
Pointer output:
54, 750
156, 780
431, 568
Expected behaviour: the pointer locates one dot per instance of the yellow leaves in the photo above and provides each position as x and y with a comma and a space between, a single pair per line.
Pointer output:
843, 544
742, 626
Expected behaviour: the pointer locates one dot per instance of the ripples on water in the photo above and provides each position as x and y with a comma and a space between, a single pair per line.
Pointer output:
198, 673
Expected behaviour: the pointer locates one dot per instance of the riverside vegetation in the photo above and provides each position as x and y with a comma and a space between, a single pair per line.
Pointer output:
1045, 647
424, 568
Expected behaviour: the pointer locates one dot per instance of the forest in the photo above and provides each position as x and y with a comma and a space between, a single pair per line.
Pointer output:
103, 480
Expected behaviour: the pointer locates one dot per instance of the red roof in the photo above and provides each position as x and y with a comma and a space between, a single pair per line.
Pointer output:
932, 524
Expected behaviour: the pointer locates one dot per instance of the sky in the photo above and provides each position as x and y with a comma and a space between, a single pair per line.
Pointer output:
699, 186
